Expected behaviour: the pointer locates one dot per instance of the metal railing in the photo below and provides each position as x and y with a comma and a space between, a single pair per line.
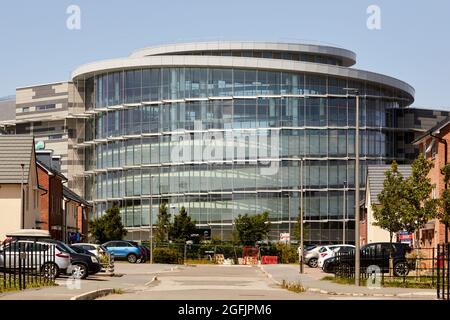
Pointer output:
416, 268
443, 271
26, 263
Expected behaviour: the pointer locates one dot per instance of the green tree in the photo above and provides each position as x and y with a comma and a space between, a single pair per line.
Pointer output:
162, 224
392, 203
183, 227
252, 228
419, 206
108, 227
444, 214
390, 210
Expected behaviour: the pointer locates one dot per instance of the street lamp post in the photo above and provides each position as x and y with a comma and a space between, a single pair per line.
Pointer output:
151, 219
289, 208
302, 249
344, 212
355, 92
22, 197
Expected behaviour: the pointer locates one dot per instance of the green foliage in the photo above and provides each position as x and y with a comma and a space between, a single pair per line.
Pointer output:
183, 227
286, 253
444, 214
419, 207
162, 224
297, 233
251, 229
392, 203
108, 227
166, 255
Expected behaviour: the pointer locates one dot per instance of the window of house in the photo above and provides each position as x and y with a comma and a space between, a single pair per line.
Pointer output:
45, 107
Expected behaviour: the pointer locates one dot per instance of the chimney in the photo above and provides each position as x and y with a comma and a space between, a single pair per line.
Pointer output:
45, 157
56, 163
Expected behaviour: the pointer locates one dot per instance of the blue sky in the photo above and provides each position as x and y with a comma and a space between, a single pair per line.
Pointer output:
412, 45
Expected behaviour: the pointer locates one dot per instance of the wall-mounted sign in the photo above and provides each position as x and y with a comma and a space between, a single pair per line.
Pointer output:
40, 145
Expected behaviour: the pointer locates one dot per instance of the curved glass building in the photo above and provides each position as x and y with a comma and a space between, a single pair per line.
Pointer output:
222, 128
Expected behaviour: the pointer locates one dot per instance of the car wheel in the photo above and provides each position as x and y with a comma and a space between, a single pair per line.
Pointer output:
401, 269
132, 258
79, 271
50, 271
313, 262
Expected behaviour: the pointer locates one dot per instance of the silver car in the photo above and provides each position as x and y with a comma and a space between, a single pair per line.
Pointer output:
312, 257
42, 256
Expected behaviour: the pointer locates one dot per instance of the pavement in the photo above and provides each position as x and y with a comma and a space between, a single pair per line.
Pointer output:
311, 281
210, 282
129, 277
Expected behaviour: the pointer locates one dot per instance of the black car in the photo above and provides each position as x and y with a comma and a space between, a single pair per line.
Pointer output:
373, 254
82, 265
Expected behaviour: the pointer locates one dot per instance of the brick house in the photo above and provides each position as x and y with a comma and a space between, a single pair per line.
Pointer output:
434, 145
376, 175
76, 215
19, 186
51, 210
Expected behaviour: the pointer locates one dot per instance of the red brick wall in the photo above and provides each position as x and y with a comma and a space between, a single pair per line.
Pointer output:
43, 179
56, 211
82, 224
437, 178
51, 203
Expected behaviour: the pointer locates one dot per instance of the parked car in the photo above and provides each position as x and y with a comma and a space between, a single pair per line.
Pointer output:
124, 249
48, 258
82, 265
329, 251
312, 257
373, 254
79, 249
93, 248
145, 252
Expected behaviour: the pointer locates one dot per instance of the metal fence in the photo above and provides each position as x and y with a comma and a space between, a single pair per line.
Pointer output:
26, 263
443, 271
418, 267
230, 254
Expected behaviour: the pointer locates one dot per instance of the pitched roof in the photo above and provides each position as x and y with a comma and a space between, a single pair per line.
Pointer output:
69, 194
435, 130
376, 177
51, 170
14, 151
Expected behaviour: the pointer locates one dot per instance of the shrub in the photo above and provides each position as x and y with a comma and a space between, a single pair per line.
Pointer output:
286, 253
166, 255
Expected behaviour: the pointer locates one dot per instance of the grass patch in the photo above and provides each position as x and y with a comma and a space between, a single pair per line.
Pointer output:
409, 282
199, 261
293, 286
117, 291
31, 284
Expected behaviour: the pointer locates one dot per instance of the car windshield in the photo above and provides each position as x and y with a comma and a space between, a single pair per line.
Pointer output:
64, 247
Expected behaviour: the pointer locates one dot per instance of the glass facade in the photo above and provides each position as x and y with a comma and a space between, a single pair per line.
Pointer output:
224, 142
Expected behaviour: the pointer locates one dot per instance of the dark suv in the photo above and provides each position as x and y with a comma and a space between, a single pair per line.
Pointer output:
373, 254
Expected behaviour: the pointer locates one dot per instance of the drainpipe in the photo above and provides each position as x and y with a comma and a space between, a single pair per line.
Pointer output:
444, 142
22, 197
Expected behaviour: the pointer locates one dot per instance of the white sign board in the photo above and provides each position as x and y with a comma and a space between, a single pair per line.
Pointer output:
285, 237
